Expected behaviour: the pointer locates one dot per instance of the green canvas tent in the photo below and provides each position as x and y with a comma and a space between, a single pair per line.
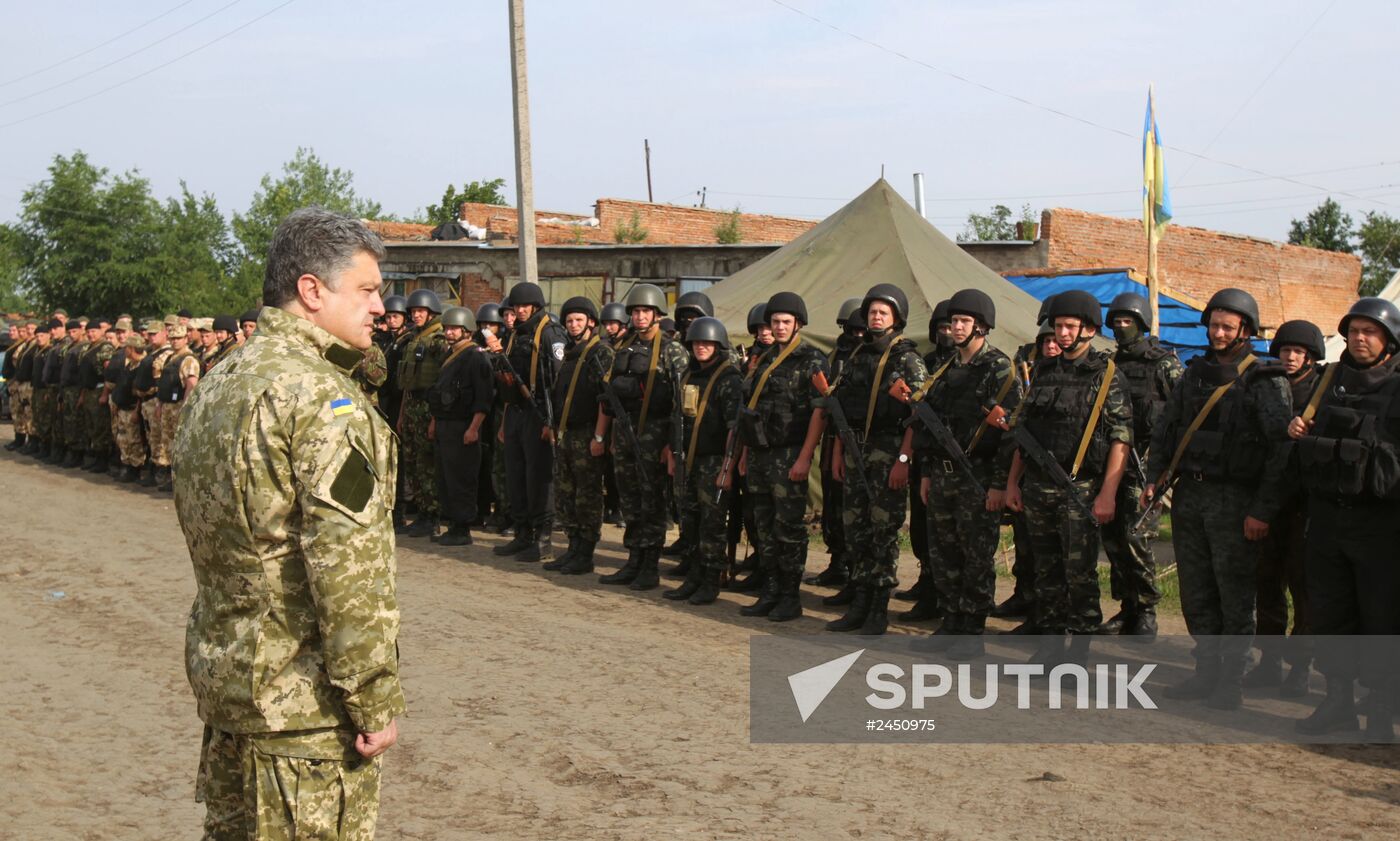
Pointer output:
876, 238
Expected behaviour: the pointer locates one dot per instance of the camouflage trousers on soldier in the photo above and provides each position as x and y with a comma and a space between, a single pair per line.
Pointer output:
130, 440
43, 404
73, 418
965, 534
640, 486
873, 519
419, 462
498, 464
287, 787
20, 407
98, 424
1216, 566
709, 551
1132, 568
578, 486
1065, 544
150, 415
169, 424
779, 509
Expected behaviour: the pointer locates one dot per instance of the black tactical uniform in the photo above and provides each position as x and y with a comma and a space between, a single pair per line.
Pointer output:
464, 388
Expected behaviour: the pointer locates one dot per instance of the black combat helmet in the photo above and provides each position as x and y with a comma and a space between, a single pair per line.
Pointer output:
580, 304
614, 311
1236, 301
425, 299
849, 307
1379, 310
707, 329
694, 305
1075, 303
976, 303
890, 294
459, 317
758, 317
527, 293
1133, 304
396, 303
1044, 311
788, 302
489, 314
1301, 333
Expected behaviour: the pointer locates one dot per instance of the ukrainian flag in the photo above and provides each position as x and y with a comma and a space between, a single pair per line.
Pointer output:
1156, 199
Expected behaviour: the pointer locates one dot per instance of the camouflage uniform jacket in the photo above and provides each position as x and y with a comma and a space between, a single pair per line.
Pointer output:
220, 352
788, 397
284, 484
1057, 407
962, 397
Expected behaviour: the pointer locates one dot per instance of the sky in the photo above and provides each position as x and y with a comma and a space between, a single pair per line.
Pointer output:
789, 107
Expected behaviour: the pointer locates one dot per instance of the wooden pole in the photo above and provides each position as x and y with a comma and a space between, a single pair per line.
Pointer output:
1153, 286
646, 146
524, 174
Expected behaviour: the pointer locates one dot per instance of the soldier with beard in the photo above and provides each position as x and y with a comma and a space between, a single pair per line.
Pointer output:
838, 570
1152, 371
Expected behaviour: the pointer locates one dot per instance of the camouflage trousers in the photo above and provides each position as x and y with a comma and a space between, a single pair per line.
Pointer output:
99, 423
20, 407
709, 551
1132, 568
498, 463
641, 486
169, 424
1065, 544
286, 787
833, 530
578, 486
150, 415
72, 414
779, 509
1216, 566
43, 404
873, 519
129, 437
419, 462
965, 534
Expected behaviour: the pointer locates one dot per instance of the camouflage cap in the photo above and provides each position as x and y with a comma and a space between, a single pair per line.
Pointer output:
175, 331
60, 311
123, 323
135, 341
31, 323
172, 319
154, 326
205, 324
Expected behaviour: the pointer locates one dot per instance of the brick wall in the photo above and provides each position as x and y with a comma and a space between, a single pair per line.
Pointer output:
666, 224
1289, 281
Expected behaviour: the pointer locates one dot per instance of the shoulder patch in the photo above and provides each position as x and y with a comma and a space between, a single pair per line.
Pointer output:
558, 351
342, 406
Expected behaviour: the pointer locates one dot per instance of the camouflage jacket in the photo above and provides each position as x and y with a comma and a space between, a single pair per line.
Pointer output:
284, 483
1057, 408
868, 405
962, 396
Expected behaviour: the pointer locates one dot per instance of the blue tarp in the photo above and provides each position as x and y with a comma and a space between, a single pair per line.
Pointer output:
1180, 330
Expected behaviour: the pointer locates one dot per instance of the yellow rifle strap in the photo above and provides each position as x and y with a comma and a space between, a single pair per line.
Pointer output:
573, 382
1001, 395
929, 383
875, 387
1094, 414
651, 378
1200, 417
1316, 399
763, 378
700, 412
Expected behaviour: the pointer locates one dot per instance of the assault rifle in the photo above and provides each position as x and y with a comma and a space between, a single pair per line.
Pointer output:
1033, 451
1154, 507
849, 442
939, 430
624, 426
678, 434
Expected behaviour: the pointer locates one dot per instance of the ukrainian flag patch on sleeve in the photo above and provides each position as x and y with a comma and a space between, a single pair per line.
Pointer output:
342, 406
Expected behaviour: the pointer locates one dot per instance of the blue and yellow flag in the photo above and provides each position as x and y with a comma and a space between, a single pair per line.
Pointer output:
1156, 199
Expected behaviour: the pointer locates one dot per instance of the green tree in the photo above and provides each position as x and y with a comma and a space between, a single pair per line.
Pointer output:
306, 180
1378, 240
630, 232
728, 231
994, 226
1325, 227
13, 297
200, 255
450, 206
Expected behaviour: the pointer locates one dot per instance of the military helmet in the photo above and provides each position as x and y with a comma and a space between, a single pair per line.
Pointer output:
1044, 312
696, 303
1131, 303
1236, 301
1075, 303
848, 306
758, 317
890, 294
459, 317
976, 303
1301, 333
708, 329
646, 295
668, 325
426, 299
225, 323
788, 302
1379, 310
580, 304
250, 315
396, 303
1045, 328
614, 311
527, 293
940, 314
489, 314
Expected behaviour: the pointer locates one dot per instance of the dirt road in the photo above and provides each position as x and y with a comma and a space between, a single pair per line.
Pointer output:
542, 708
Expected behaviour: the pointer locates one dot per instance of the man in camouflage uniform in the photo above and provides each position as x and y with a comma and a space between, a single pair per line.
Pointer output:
780, 431
248, 325
372, 373
179, 375
711, 393
885, 365
41, 396
689, 306
1228, 494
578, 474
21, 390
612, 326
69, 428
741, 519
97, 418
1078, 413
127, 429
422, 359
147, 387
964, 512
646, 369
1152, 371
226, 341
284, 494
838, 570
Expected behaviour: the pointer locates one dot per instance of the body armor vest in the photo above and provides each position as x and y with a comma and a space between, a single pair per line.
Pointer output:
172, 385
1354, 447
714, 427
1226, 447
1146, 388
857, 379
1057, 409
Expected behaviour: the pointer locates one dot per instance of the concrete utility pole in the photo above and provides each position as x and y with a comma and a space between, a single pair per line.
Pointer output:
524, 174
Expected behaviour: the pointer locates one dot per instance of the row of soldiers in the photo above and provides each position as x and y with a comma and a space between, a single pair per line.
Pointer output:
104, 395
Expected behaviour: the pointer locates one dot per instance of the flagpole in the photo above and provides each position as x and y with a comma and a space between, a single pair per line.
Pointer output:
1153, 287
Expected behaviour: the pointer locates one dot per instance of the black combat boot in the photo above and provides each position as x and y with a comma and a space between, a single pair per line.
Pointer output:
835, 575
789, 604
628, 571
99, 466
754, 583
17, 443
582, 561
562, 559
1016, 606
89, 459
1198, 686
1143, 627
459, 534
425, 526
682, 569
676, 550
767, 599
148, 476
844, 596
30, 447
165, 480
542, 547
648, 573
856, 612
969, 645
1380, 716
73, 459
1335, 714
877, 620
923, 584
1050, 651
1296, 684
522, 540
129, 474
1267, 673
1228, 693
1077, 652
943, 638
925, 608
687, 588
709, 588
1115, 623
56, 455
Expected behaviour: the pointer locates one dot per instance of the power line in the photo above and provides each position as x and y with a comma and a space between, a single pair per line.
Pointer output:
1056, 111
146, 73
119, 60
90, 50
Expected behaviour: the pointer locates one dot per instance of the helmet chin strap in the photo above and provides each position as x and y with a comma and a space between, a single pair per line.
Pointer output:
976, 331
1079, 339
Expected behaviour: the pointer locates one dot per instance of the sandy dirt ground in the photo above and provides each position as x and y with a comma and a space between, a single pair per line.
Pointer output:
547, 708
